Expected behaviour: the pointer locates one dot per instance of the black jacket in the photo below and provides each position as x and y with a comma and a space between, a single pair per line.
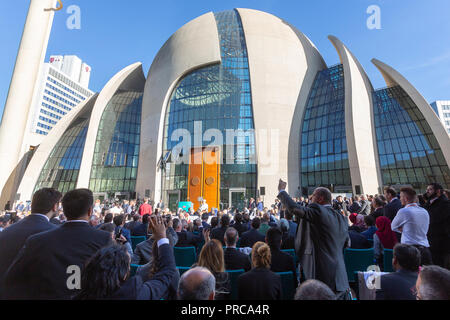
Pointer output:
358, 241
140, 230
391, 209
259, 284
283, 262
13, 238
251, 237
240, 227
328, 232
157, 287
44, 266
399, 285
439, 230
218, 234
235, 260
188, 239
378, 212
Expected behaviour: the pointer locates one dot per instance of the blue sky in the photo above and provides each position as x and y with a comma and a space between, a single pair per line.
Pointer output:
414, 38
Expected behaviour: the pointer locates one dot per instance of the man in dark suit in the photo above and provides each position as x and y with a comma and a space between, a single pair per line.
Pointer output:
281, 261
141, 230
133, 224
43, 206
234, 259
49, 265
321, 238
185, 238
393, 205
438, 207
400, 285
252, 236
358, 241
219, 232
205, 224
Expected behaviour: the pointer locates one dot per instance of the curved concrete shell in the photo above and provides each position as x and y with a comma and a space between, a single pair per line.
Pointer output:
363, 159
392, 78
283, 63
41, 155
193, 46
130, 78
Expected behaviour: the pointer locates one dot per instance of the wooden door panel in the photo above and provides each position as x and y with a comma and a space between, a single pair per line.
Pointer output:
195, 183
211, 176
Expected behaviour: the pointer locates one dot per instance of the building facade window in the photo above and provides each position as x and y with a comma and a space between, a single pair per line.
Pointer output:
409, 153
116, 155
63, 165
324, 155
219, 97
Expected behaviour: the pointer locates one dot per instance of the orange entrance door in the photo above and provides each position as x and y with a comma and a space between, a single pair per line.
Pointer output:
204, 176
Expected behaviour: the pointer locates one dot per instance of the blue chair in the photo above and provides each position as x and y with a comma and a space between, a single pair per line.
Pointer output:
184, 256
133, 269
233, 276
357, 260
292, 253
287, 283
182, 270
136, 240
388, 254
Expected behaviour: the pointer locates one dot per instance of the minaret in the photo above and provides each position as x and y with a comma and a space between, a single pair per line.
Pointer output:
29, 61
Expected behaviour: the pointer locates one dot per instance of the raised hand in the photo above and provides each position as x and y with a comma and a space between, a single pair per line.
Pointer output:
282, 185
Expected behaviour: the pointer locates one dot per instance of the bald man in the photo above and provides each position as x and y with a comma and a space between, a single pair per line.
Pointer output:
197, 284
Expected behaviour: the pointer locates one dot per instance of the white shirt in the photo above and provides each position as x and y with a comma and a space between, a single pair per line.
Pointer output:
415, 222
115, 210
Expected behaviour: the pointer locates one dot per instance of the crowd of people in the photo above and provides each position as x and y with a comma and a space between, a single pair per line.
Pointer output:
75, 247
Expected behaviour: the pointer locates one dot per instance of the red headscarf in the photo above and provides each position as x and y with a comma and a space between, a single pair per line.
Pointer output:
387, 237
352, 218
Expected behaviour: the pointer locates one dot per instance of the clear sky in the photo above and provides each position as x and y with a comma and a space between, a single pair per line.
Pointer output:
414, 36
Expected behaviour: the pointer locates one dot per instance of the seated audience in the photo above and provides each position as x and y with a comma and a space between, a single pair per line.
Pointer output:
280, 261
108, 219
249, 238
44, 269
264, 224
205, 218
314, 290
357, 221
197, 284
141, 230
43, 206
287, 240
239, 224
143, 253
292, 225
234, 259
378, 204
151, 269
260, 283
433, 283
134, 223
212, 257
400, 284
358, 241
371, 228
214, 222
384, 238
185, 238
119, 222
219, 232
100, 281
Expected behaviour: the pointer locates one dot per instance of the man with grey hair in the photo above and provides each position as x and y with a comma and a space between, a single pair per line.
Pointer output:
320, 241
433, 283
197, 284
314, 290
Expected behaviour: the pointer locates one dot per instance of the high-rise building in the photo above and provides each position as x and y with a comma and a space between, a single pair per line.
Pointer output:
442, 109
61, 86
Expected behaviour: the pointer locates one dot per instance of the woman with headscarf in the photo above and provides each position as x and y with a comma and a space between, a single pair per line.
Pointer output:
384, 238
357, 221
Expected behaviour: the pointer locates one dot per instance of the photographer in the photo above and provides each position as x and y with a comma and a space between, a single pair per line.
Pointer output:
122, 235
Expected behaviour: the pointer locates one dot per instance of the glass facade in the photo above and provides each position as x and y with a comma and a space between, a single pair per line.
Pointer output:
409, 153
116, 154
219, 97
63, 165
324, 156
